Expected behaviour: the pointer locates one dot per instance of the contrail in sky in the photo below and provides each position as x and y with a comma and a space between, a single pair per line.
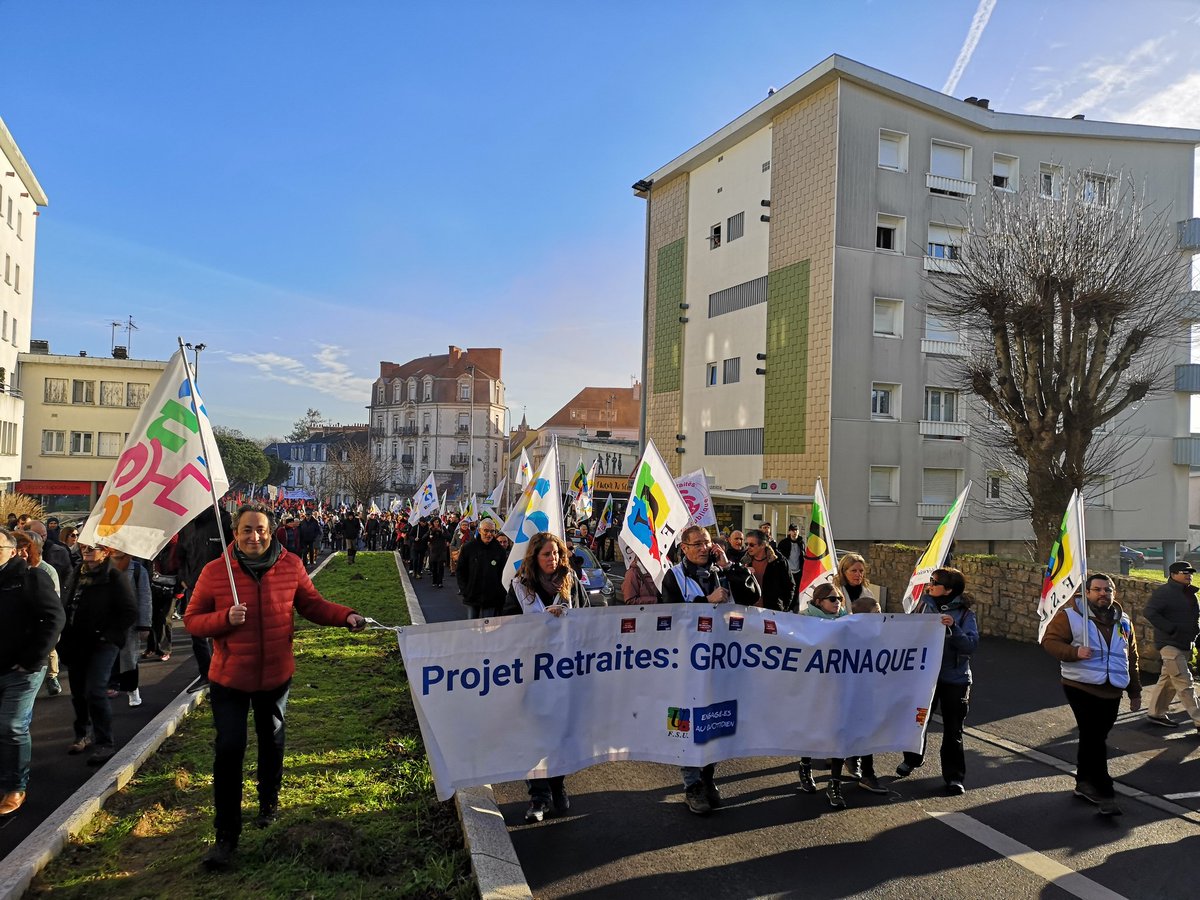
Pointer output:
982, 13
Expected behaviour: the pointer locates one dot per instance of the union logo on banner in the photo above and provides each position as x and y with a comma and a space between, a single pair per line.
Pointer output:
736, 623
664, 623
704, 623
922, 715
679, 719
769, 627
628, 626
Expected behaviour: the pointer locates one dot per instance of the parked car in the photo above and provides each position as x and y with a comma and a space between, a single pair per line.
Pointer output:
595, 577
1133, 557
1193, 557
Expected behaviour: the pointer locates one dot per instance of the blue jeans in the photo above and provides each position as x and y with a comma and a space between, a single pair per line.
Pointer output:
696, 774
482, 612
89, 672
229, 709
17, 693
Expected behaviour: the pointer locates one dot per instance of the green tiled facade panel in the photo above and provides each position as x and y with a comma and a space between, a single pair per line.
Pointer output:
787, 359
668, 294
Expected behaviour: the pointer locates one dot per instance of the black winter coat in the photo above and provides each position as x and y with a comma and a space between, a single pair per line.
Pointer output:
31, 616
103, 608
480, 568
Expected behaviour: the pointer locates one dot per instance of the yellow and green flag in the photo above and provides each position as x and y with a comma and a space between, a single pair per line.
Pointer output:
935, 554
1067, 567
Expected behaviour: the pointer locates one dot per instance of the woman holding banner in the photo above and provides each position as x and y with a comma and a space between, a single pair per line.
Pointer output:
545, 583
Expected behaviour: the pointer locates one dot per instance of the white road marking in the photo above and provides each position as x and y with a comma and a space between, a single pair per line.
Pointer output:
1027, 858
1190, 795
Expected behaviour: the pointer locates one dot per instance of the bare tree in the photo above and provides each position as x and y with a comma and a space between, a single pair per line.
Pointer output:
356, 471
1070, 307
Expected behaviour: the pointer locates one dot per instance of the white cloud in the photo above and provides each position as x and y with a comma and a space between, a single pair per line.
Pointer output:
1173, 106
983, 12
326, 374
1102, 83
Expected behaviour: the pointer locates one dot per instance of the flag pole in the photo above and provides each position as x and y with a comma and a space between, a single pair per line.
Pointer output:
212, 489
1080, 506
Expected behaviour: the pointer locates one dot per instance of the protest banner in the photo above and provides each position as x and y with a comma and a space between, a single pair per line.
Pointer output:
685, 684
693, 487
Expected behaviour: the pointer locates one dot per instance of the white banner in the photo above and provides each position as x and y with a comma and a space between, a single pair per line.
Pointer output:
694, 490
685, 684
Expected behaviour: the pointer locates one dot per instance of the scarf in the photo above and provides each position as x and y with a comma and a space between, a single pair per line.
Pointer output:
256, 567
554, 585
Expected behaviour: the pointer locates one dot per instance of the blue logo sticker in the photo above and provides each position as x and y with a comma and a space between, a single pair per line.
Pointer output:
735, 623
718, 720
664, 623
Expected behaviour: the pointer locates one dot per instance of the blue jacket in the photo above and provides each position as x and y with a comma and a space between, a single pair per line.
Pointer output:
962, 638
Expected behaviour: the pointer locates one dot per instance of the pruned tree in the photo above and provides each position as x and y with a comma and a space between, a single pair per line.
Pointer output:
304, 426
1070, 307
357, 472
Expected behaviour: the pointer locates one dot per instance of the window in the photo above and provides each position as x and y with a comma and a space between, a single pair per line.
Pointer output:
766, 167
1051, 181
81, 443
941, 405
736, 226
1099, 492
734, 442
427, 390
950, 161
711, 378
889, 318
14, 331
412, 389
714, 237
889, 233
464, 421
885, 401
4, 334
136, 394
56, 390
379, 393
83, 391
939, 486
7, 269
53, 441
17, 278
1004, 172
109, 443
732, 370
10, 210
885, 481
945, 241
19, 220
425, 423
1098, 189
464, 390
395, 449
740, 296
937, 330
424, 451
112, 393
893, 150
993, 486
397, 393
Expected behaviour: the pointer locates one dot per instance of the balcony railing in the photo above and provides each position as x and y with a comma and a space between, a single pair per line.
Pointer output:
463, 429
1187, 450
407, 459
460, 460
1187, 378
1189, 235
939, 510
944, 184
378, 432
944, 429
405, 430
939, 264
936, 347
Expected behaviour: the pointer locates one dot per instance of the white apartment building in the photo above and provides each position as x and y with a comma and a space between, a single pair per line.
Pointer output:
20, 197
786, 337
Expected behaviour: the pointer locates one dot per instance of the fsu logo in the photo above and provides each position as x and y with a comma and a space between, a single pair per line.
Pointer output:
922, 714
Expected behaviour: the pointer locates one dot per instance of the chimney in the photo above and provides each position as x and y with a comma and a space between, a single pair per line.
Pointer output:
455, 354
982, 102
120, 352
1078, 117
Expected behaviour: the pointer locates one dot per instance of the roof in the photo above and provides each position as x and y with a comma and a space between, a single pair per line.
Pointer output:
603, 408
446, 365
761, 114
17, 160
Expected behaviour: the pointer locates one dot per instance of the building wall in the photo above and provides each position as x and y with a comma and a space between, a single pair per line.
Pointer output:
668, 261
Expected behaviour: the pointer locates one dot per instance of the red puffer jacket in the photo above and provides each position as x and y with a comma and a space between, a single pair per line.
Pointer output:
256, 656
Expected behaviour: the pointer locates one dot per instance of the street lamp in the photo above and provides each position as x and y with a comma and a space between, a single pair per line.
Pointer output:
196, 348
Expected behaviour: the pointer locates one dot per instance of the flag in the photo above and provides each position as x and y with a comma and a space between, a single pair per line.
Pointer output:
539, 509
425, 501
577, 480
694, 490
819, 562
524, 470
442, 502
1067, 568
583, 499
374, 510
606, 515
493, 499
161, 481
935, 554
655, 514
470, 514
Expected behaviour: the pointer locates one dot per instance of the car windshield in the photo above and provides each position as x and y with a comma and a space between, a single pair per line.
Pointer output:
589, 561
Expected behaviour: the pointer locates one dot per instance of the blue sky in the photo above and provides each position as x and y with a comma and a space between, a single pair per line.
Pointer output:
310, 188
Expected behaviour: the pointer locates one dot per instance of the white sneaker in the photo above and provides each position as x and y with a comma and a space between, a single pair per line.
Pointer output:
135, 697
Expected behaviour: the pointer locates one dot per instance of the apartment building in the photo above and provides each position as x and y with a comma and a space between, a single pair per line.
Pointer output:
442, 414
20, 197
786, 338
313, 463
78, 413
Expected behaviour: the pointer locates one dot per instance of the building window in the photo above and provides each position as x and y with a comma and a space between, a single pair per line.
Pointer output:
949, 161
395, 449
889, 233
1098, 189
397, 393
53, 441
937, 330
993, 486
885, 484
56, 391
19, 222
1098, 494
109, 443
7, 268
14, 331
412, 389
740, 296
734, 442
945, 241
711, 378
425, 424
4, 334
464, 422
427, 389
885, 401
736, 226
1004, 172
83, 391
1051, 181
889, 318
81, 443
464, 390
424, 452
17, 278
941, 405
893, 150
940, 486
766, 167
112, 393
714, 237
136, 394
379, 394
10, 212
732, 370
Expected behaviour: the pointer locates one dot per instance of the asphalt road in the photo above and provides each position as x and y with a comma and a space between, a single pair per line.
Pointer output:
1016, 833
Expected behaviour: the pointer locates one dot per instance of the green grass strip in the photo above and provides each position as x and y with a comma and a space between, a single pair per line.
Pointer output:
358, 813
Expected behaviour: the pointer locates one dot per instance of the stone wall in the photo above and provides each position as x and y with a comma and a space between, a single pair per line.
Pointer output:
1006, 595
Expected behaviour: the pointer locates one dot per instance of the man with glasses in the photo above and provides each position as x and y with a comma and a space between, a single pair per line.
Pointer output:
1099, 663
1175, 615
479, 573
944, 597
770, 571
31, 617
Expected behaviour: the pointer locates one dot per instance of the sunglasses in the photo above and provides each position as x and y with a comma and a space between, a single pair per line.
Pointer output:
933, 583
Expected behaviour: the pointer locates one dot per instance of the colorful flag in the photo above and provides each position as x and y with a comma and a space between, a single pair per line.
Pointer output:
819, 562
606, 516
374, 510
425, 501
493, 499
524, 470
694, 490
655, 514
539, 509
1067, 568
935, 554
583, 499
470, 513
161, 480
577, 480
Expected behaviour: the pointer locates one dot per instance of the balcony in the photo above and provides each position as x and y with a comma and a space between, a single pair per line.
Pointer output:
405, 430
939, 510
1187, 450
1189, 306
1189, 235
936, 347
407, 459
460, 460
940, 264
378, 432
944, 429
463, 429
1187, 378
954, 187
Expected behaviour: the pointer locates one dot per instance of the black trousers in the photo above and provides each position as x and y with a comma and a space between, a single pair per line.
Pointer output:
1095, 717
954, 702
229, 710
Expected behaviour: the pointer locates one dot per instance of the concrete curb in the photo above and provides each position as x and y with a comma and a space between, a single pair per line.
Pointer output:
498, 872
35, 852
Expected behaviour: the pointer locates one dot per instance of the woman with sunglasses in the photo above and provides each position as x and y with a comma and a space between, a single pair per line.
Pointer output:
827, 603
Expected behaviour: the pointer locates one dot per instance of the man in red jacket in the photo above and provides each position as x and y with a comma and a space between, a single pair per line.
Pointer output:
252, 663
